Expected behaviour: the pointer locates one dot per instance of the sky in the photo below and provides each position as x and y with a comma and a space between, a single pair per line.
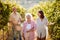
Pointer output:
29, 3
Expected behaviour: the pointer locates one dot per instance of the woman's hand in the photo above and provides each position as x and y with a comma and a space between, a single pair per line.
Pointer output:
32, 29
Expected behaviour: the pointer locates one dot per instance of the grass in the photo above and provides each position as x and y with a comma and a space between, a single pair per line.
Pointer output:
1, 36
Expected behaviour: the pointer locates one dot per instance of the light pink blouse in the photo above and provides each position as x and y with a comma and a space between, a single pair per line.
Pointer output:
31, 33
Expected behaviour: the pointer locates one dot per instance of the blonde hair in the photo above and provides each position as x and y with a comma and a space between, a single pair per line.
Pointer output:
13, 8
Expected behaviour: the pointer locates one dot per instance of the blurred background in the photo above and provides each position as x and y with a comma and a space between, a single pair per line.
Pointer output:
51, 9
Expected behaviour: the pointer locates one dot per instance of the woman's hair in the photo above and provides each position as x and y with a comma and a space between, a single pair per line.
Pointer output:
28, 14
13, 8
42, 14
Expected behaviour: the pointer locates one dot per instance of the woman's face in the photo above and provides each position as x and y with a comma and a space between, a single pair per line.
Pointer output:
14, 9
39, 14
28, 18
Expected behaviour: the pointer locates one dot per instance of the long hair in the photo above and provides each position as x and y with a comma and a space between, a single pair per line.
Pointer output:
42, 14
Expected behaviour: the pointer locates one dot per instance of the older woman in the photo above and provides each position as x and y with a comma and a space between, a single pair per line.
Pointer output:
29, 28
42, 29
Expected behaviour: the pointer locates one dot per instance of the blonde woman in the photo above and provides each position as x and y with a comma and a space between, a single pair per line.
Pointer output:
15, 20
29, 28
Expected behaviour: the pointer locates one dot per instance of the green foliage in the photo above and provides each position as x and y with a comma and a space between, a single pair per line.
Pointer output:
5, 11
51, 10
4, 14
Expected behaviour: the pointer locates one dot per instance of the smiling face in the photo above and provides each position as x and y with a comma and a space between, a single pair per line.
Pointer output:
14, 9
39, 14
28, 17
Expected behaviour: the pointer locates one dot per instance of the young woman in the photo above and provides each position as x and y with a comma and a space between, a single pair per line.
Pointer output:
29, 28
42, 29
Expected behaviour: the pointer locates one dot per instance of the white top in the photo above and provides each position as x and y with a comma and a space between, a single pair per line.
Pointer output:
28, 27
41, 27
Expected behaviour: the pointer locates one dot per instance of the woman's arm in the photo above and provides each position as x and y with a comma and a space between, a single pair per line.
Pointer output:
23, 36
33, 28
23, 31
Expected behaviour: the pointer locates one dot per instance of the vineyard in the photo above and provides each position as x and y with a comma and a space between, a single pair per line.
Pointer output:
51, 10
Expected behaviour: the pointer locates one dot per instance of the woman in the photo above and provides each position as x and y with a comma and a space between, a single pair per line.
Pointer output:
42, 29
29, 28
15, 20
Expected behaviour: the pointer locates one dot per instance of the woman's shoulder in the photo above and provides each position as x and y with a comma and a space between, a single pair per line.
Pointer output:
37, 19
11, 14
45, 18
34, 22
